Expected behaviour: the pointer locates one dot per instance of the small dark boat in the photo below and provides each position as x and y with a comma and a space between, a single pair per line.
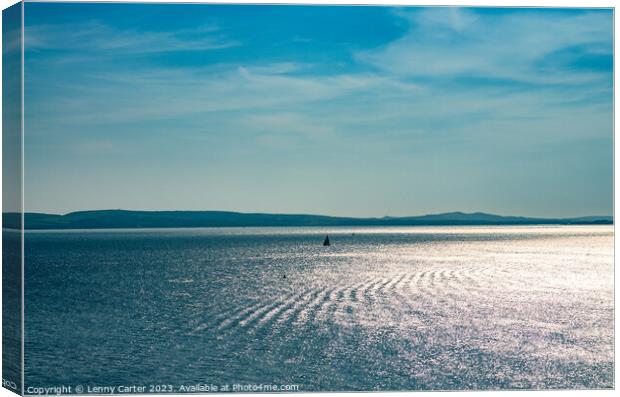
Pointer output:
326, 241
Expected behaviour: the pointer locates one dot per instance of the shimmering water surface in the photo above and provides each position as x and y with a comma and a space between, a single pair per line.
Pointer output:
381, 309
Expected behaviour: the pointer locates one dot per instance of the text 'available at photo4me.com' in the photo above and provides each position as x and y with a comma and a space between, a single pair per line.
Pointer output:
161, 388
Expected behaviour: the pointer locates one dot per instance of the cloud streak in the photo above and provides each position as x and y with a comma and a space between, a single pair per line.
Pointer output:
461, 43
95, 37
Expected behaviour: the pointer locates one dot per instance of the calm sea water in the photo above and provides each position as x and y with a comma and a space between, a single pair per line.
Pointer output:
381, 309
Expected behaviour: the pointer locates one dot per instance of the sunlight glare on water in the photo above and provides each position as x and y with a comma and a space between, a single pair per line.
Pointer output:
414, 308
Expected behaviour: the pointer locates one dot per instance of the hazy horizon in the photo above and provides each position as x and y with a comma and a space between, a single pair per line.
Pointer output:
321, 214
304, 109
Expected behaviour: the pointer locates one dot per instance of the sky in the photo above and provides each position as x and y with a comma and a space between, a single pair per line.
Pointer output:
11, 109
336, 110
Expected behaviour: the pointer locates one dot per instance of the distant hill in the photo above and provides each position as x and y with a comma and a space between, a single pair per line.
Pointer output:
121, 219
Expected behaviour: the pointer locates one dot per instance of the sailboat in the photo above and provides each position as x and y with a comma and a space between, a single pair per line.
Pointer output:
326, 241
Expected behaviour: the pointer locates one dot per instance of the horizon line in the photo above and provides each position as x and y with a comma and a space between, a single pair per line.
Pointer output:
322, 215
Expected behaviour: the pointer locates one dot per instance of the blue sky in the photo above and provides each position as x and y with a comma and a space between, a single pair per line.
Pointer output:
361, 111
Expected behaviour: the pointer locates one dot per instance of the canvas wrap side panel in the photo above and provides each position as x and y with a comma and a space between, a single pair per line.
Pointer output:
12, 198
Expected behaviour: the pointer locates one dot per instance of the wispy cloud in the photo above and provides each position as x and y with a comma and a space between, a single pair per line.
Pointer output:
94, 37
518, 46
176, 92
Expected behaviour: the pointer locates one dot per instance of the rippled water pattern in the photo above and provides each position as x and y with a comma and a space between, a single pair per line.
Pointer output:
381, 309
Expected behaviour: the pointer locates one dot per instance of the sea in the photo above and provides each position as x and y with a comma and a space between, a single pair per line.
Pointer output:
381, 309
